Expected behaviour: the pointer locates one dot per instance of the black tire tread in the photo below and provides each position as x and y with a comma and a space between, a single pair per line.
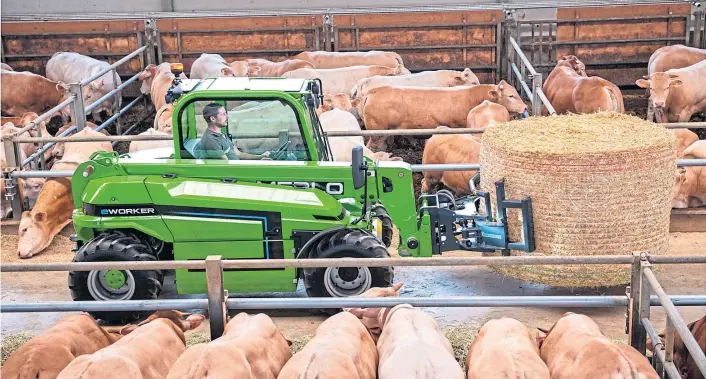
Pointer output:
124, 248
370, 247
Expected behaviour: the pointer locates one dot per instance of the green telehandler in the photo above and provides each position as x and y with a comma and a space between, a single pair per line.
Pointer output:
297, 203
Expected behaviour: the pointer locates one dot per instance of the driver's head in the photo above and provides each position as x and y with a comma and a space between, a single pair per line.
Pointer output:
215, 115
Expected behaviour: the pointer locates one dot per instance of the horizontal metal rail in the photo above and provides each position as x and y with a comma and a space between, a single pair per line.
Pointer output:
679, 325
113, 66
44, 116
119, 113
659, 352
689, 125
317, 303
112, 92
357, 262
414, 167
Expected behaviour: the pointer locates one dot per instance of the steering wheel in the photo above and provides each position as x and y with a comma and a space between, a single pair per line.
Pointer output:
281, 151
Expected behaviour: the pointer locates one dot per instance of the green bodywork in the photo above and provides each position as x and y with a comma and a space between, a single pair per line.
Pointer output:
233, 208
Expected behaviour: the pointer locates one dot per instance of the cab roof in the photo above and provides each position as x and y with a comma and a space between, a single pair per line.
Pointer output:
248, 84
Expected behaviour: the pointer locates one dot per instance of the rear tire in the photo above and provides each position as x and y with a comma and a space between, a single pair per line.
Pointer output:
347, 281
115, 284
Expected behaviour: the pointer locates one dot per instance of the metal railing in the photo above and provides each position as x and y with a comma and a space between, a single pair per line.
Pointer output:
525, 72
637, 299
643, 283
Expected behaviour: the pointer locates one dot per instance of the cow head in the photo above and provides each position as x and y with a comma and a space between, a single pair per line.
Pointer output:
31, 188
338, 101
176, 317
33, 234
660, 84
64, 94
572, 62
239, 68
685, 182
466, 78
146, 77
373, 318
506, 95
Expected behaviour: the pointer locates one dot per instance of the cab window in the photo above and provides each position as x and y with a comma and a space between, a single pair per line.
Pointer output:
257, 129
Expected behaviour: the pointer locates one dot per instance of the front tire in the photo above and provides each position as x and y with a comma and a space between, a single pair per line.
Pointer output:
101, 285
347, 281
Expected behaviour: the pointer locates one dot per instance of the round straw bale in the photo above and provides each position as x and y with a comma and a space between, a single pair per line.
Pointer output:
600, 184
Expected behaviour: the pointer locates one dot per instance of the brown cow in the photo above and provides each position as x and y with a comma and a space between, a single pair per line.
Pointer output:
676, 94
24, 92
440, 78
148, 350
505, 348
685, 138
575, 348
55, 205
450, 148
683, 360
271, 69
335, 101
58, 149
342, 80
411, 346
487, 114
690, 182
45, 355
250, 347
674, 56
341, 349
395, 107
569, 89
328, 59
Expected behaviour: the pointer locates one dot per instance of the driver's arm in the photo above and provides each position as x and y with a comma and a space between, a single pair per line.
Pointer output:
244, 155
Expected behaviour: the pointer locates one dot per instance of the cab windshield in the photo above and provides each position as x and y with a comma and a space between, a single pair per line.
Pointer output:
242, 129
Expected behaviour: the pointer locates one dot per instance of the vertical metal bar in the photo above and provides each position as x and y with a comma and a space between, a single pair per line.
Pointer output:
541, 45
116, 105
499, 54
140, 43
636, 332
12, 159
688, 25
181, 58
216, 296
534, 42
464, 39
317, 34
536, 100
644, 305
650, 111
78, 112
697, 27
158, 41
669, 346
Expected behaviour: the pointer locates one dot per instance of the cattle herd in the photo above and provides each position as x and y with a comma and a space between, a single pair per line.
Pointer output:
371, 90
401, 342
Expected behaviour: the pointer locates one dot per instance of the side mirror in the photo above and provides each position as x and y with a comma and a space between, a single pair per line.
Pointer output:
359, 170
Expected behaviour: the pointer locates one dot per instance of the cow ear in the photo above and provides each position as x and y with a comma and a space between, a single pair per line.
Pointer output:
642, 83
62, 87
226, 71
397, 288
494, 94
26, 214
40, 216
675, 83
289, 342
467, 72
